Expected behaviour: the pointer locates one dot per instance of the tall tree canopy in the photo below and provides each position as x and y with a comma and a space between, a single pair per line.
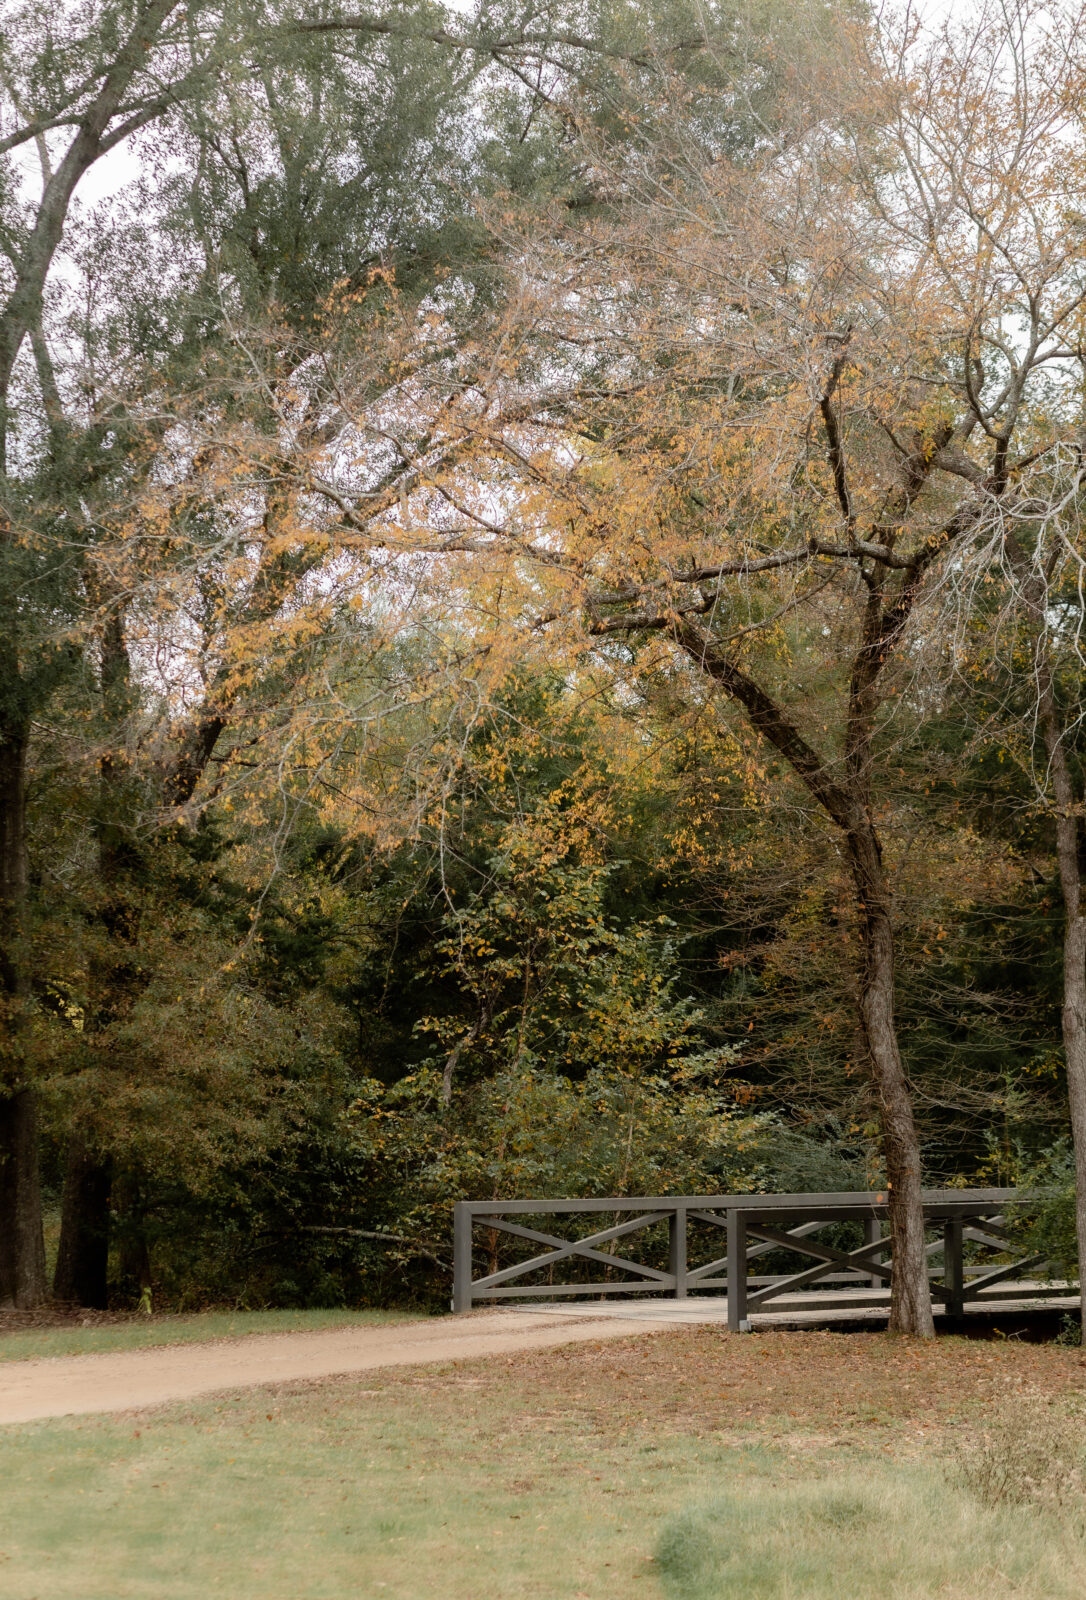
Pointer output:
757, 404
285, 153
438, 388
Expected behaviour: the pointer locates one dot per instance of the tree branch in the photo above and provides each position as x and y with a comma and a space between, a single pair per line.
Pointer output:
768, 719
493, 44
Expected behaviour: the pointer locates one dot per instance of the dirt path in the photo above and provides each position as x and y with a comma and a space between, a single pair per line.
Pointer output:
126, 1380
60, 1386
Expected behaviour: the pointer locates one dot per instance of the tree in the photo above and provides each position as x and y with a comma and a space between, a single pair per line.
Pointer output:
1014, 653
79, 84
854, 284
288, 119
1008, 629
779, 397
754, 405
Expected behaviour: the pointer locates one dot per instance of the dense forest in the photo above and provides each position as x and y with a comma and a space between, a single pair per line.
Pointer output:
542, 616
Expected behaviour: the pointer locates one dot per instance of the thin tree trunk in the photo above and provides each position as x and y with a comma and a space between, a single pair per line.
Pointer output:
82, 1269
848, 808
910, 1295
83, 1252
1074, 951
22, 1246
134, 1256
910, 1290
1074, 1046
1073, 1019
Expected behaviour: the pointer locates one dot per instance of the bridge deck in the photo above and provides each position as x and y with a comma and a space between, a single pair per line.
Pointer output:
794, 1311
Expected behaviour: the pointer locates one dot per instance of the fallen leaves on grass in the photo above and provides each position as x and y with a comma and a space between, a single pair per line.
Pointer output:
702, 1381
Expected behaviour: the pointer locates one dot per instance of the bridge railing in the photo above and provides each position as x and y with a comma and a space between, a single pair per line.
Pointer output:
616, 1246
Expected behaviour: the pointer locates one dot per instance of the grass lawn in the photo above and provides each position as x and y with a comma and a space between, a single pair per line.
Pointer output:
73, 1338
683, 1465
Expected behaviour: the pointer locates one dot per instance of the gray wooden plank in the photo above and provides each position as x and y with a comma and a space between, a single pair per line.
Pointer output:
957, 1200
568, 1248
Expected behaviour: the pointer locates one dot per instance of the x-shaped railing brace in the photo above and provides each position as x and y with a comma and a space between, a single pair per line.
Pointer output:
565, 1248
707, 1271
856, 1260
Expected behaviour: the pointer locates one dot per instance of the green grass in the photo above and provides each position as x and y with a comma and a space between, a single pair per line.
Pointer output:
68, 1339
903, 1534
544, 1478
336, 1494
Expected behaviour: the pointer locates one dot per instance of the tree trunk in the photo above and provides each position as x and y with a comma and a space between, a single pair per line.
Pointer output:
848, 807
1074, 950
83, 1256
135, 1260
22, 1247
1074, 1045
134, 1256
910, 1291
910, 1296
22, 1244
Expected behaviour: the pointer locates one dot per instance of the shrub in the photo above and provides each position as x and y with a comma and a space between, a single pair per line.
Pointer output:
1031, 1452
890, 1532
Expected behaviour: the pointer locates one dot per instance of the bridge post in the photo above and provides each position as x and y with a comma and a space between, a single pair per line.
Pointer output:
953, 1267
676, 1249
738, 1321
461, 1297
873, 1233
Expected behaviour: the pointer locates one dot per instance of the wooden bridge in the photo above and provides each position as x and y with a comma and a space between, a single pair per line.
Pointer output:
818, 1252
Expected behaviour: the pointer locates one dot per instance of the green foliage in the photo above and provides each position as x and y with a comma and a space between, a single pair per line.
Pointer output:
264, 1054
555, 980
533, 1132
1049, 1229
584, 1071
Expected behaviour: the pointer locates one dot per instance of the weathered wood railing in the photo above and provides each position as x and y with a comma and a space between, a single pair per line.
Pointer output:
973, 1255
